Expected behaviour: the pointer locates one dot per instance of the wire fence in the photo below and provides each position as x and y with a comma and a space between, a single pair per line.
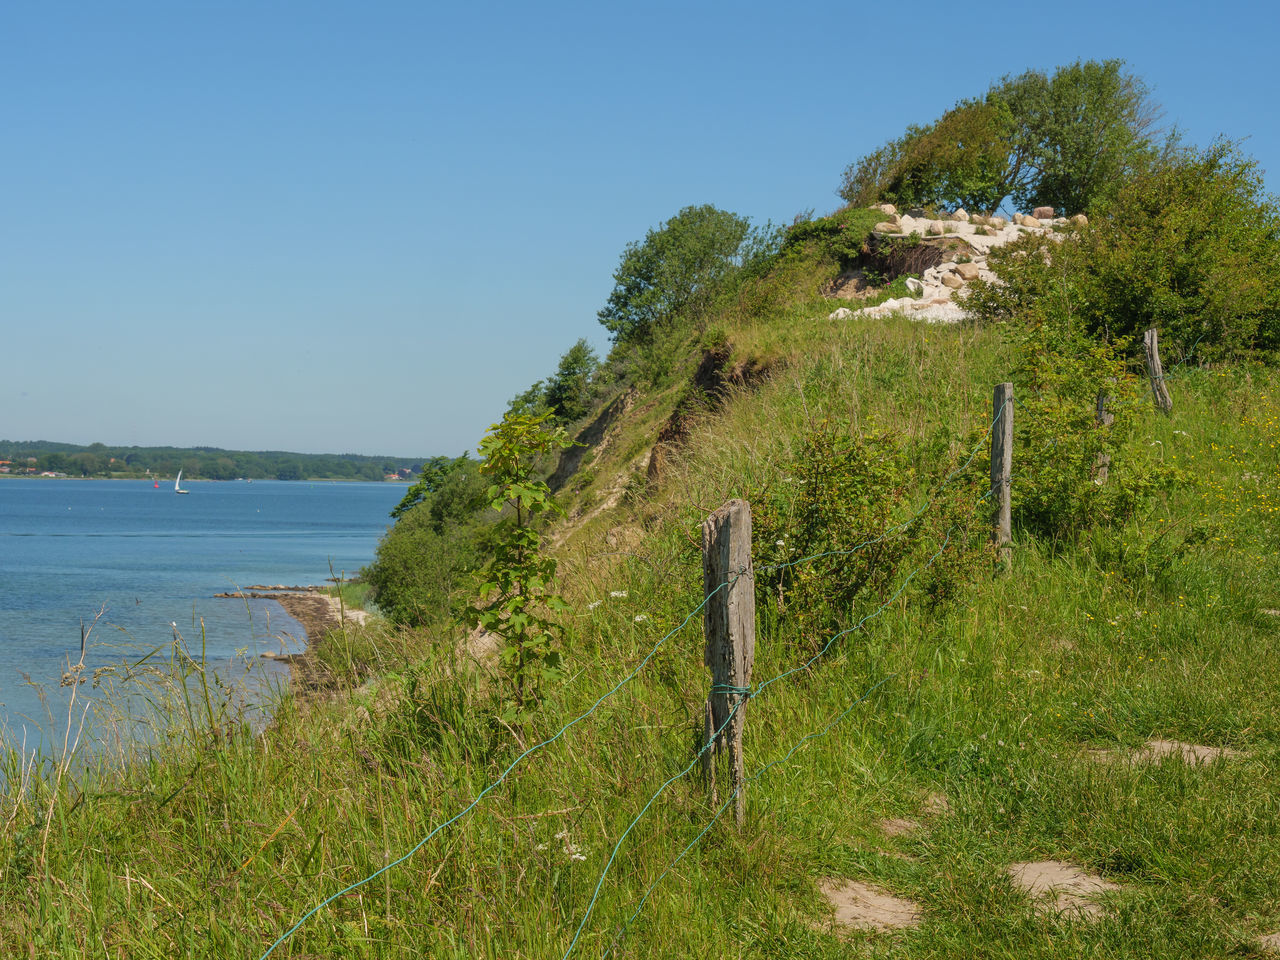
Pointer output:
751, 694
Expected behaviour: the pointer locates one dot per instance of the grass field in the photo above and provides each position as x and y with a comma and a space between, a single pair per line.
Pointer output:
928, 749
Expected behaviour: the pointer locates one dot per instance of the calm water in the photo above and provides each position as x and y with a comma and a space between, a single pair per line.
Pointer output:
151, 558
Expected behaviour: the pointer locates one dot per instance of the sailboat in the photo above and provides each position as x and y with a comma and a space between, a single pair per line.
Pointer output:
177, 484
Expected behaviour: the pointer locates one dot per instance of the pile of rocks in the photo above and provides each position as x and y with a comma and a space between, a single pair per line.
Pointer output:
938, 296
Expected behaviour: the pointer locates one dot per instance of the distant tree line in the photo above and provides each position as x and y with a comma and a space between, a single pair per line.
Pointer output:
200, 463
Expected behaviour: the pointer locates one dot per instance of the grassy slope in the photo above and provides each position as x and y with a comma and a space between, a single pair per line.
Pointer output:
219, 847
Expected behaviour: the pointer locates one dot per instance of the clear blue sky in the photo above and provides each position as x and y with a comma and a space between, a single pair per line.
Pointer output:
362, 227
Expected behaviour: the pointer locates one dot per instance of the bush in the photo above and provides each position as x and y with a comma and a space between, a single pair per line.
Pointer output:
1190, 246
838, 495
1059, 444
420, 563
841, 237
843, 502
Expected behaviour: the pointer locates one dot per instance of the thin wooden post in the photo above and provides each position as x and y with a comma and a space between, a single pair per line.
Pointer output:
1151, 347
1104, 418
729, 626
1002, 472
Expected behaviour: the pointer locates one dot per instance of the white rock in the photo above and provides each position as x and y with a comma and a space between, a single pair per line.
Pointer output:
935, 228
843, 313
960, 214
915, 286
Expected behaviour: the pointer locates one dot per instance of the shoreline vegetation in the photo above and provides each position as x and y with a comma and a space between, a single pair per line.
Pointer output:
100, 461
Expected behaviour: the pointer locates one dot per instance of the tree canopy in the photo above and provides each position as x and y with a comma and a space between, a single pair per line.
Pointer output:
1057, 141
672, 269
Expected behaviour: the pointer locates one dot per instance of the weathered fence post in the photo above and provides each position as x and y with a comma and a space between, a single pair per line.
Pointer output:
1002, 472
1102, 463
1151, 347
729, 625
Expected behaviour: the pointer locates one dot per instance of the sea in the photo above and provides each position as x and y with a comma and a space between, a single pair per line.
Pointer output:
132, 568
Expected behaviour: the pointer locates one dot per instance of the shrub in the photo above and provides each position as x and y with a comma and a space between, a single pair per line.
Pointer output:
838, 498
516, 600
841, 237
1058, 441
1190, 246
419, 565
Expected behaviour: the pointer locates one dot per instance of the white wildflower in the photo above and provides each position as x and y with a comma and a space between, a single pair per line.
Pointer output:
618, 594
640, 618
593, 604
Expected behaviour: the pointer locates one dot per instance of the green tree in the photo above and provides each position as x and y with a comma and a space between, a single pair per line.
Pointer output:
568, 392
1058, 141
432, 475
532, 402
964, 159
673, 270
1083, 131
516, 600
1189, 245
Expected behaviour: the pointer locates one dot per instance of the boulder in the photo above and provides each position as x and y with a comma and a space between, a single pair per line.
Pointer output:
915, 286
886, 208
1044, 213
961, 214
1030, 222
935, 228
998, 222
1080, 220
886, 226
844, 313
952, 281
967, 271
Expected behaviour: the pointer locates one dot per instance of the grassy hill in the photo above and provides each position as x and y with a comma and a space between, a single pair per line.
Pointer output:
929, 726
1073, 753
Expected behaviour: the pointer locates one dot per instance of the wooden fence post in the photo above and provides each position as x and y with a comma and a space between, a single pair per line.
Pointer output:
1002, 471
1102, 463
729, 626
1151, 347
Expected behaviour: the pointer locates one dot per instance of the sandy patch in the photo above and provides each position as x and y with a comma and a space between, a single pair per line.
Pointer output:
1192, 754
898, 827
1058, 888
937, 805
859, 906
1270, 943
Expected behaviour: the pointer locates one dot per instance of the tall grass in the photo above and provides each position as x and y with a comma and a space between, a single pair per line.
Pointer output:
214, 838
